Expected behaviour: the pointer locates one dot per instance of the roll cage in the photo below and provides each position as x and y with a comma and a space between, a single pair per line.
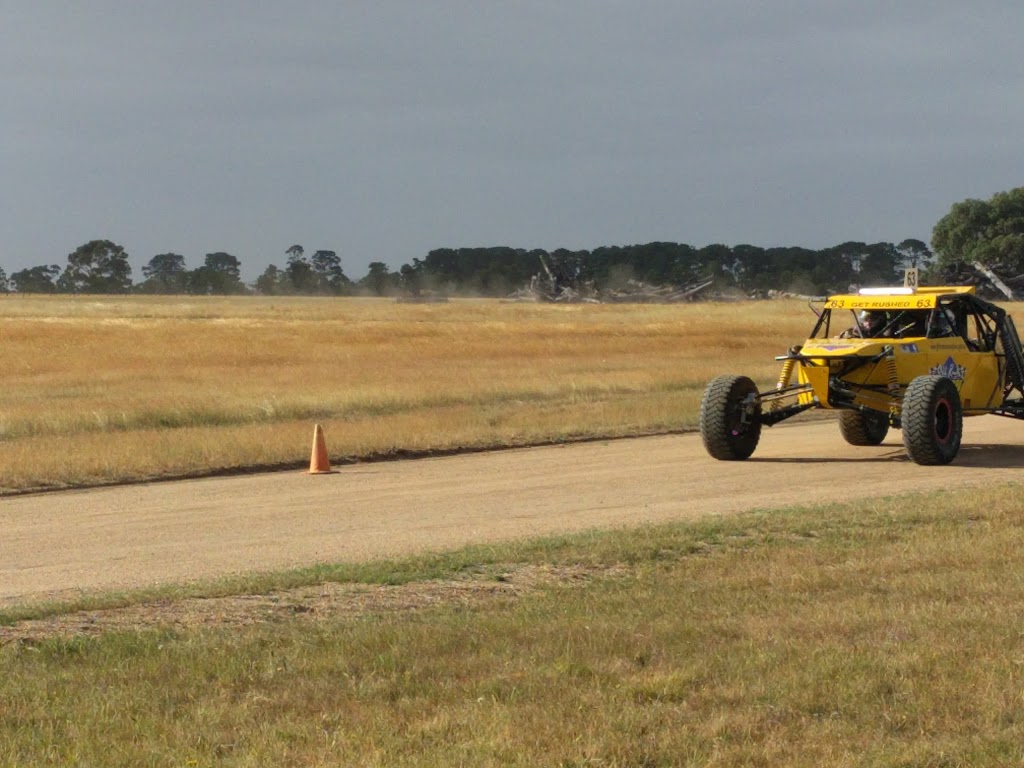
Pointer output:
974, 320
983, 327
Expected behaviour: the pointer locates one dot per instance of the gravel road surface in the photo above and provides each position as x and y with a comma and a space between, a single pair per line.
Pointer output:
61, 544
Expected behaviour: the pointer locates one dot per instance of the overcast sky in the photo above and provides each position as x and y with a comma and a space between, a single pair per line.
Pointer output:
382, 130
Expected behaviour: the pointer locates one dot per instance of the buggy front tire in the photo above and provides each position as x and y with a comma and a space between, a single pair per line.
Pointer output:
863, 427
730, 423
933, 420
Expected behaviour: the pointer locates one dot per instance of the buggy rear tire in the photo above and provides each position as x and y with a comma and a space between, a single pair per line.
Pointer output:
863, 427
727, 435
933, 420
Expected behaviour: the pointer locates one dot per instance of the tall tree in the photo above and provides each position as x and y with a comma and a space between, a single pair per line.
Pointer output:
880, 265
36, 279
379, 280
986, 231
269, 283
914, 253
411, 277
4, 286
165, 273
298, 272
220, 274
330, 279
99, 266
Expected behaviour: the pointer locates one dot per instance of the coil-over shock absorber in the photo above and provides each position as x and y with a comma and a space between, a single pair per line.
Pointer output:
787, 368
890, 372
893, 385
786, 374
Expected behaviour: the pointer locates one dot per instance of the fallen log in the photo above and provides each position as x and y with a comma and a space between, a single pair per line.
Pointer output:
996, 281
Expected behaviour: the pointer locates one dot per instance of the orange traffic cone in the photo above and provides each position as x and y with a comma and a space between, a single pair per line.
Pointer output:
319, 464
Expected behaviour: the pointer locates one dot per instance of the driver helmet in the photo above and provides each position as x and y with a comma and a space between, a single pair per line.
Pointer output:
942, 326
871, 322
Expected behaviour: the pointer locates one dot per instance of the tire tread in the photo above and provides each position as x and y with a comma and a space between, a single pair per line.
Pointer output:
719, 442
855, 428
918, 420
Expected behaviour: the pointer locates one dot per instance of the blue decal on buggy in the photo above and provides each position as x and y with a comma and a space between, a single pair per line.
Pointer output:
909, 347
950, 369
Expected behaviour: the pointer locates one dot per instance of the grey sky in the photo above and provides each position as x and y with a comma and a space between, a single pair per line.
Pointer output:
384, 129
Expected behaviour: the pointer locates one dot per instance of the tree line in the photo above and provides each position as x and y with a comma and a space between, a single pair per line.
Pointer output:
494, 271
989, 231
102, 267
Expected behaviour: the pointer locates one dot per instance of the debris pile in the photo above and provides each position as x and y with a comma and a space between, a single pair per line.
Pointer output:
561, 284
632, 292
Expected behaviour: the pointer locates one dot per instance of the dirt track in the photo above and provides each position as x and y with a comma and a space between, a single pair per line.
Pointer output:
62, 543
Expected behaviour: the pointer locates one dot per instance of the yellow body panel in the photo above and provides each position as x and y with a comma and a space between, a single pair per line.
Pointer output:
975, 374
921, 298
881, 302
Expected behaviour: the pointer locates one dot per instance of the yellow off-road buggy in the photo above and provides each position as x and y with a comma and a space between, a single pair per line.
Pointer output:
917, 359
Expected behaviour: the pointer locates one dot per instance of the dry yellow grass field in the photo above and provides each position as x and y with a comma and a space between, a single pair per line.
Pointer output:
101, 389
864, 634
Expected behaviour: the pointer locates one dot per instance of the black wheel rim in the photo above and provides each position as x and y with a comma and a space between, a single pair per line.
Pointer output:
736, 426
943, 421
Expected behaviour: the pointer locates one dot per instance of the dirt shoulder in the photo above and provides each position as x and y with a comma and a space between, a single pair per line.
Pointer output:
316, 603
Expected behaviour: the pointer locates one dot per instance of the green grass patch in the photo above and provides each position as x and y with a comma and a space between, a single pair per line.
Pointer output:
882, 633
